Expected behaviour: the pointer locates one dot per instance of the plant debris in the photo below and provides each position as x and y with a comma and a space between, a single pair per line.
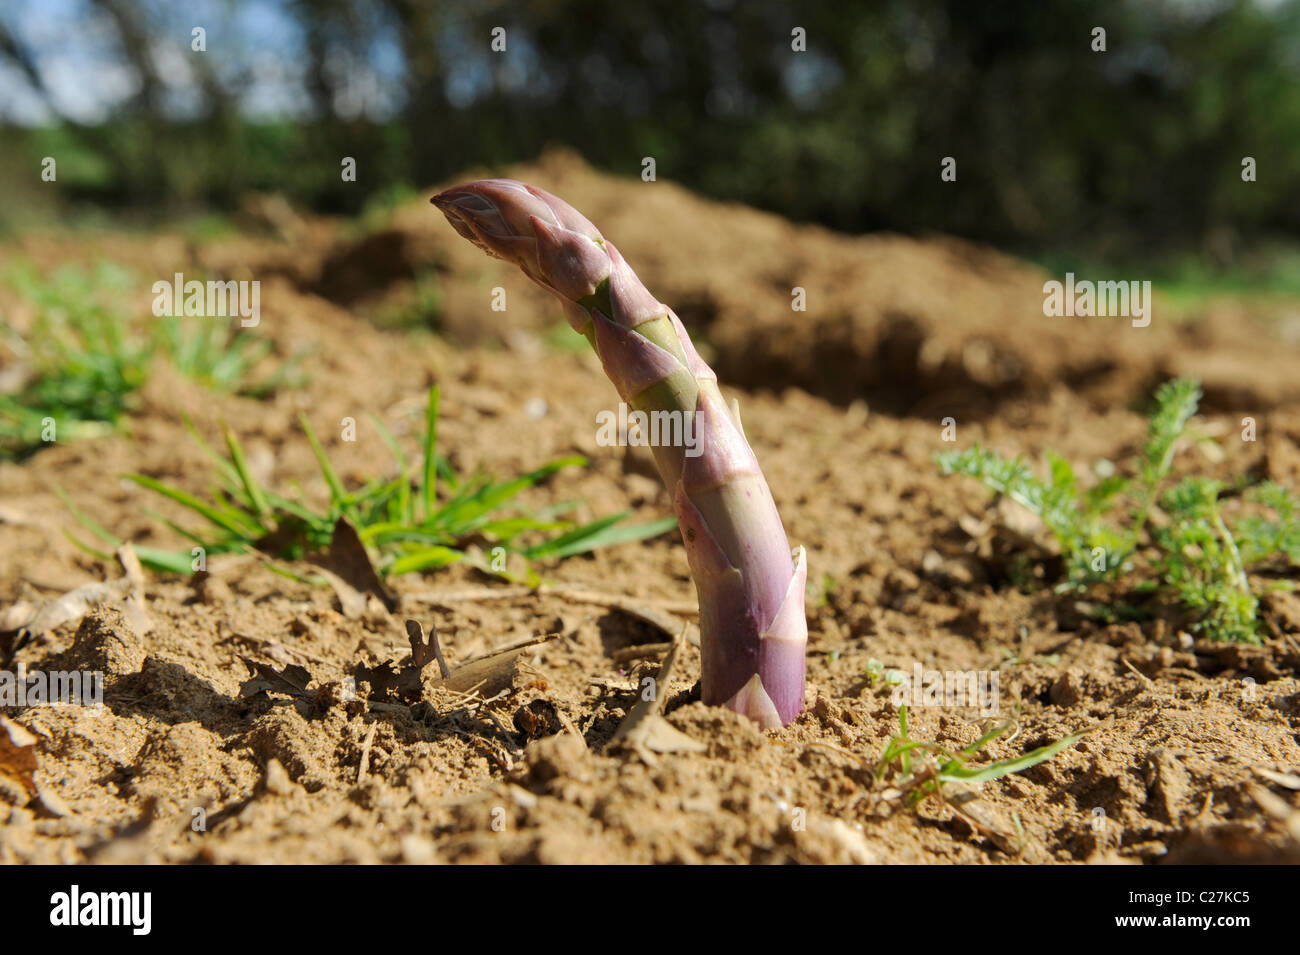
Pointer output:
17, 757
644, 731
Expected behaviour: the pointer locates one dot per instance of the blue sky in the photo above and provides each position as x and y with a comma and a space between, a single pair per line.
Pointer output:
74, 47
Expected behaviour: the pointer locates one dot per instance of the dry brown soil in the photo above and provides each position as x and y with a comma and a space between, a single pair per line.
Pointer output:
842, 404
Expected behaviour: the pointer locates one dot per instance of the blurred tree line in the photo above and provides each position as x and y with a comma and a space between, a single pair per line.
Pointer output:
1055, 143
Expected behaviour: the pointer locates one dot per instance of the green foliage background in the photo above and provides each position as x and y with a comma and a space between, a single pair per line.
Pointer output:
1057, 146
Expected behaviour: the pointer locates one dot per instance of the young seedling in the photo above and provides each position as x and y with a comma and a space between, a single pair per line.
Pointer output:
1195, 555
751, 586
411, 527
922, 768
917, 769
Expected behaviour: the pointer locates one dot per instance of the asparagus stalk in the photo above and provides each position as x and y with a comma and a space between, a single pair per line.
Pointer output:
751, 587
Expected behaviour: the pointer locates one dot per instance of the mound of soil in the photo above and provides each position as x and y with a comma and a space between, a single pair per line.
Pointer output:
925, 327
193, 759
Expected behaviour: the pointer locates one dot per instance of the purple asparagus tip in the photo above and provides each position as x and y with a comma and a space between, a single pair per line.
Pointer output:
751, 587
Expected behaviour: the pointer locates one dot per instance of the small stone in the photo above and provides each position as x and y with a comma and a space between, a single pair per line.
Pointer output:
277, 778
900, 580
417, 850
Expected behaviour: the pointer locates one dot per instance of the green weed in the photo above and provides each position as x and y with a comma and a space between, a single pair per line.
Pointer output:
1194, 554
922, 768
414, 523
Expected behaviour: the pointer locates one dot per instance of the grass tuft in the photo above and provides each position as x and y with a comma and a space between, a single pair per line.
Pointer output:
405, 525
80, 363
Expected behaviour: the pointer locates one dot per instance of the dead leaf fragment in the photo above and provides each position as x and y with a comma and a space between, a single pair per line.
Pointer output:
404, 683
644, 731
492, 672
425, 651
17, 615
75, 604
390, 682
290, 681
1289, 780
347, 567
18, 755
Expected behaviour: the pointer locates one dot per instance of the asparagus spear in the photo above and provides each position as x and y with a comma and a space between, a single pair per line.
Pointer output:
751, 587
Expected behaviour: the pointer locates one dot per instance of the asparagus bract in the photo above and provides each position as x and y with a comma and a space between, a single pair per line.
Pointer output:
751, 587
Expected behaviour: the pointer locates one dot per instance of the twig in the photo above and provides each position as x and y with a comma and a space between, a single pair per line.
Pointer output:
572, 592
821, 744
1138, 673
628, 654
497, 751
364, 767
508, 737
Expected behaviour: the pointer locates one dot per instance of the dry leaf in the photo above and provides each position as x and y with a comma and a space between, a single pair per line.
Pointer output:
18, 755
424, 651
347, 566
405, 683
17, 615
492, 672
291, 681
489, 674
644, 731
1289, 780
390, 682
75, 604
659, 736
72, 606
352, 602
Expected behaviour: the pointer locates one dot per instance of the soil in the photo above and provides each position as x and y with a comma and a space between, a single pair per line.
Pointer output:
843, 405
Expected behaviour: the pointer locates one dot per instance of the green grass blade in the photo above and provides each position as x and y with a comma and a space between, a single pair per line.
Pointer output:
165, 561
598, 533
402, 506
429, 481
76, 542
86, 521
338, 496
423, 559
508, 528
255, 497
200, 507
227, 470
466, 515
956, 772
